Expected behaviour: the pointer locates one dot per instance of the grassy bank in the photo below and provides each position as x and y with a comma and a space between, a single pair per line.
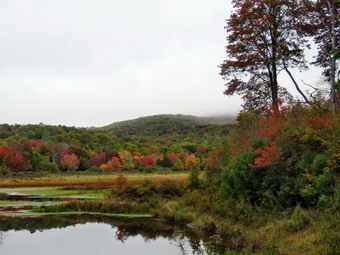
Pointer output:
245, 228
258, 230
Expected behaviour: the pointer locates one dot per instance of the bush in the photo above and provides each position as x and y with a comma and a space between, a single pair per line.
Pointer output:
149, 191
51, 167
175, 168
166, 162
194, 180
173, 211
318, 164
101, 207
94, 169
298, 221
4, 171
150, 169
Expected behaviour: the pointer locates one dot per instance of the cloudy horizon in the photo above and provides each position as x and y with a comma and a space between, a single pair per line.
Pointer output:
92, 63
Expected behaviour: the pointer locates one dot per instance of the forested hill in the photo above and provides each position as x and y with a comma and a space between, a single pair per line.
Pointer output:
54, 148
168, 124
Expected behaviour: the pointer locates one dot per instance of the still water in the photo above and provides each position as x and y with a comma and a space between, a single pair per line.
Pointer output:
88, 235
91, 238
94, 235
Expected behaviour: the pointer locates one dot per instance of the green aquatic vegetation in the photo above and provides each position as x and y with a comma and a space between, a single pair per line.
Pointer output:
7, 203
35, 212
56, 192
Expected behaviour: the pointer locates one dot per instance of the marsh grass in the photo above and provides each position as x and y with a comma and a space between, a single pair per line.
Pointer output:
100, 207
56, 192
257, 230
89, 181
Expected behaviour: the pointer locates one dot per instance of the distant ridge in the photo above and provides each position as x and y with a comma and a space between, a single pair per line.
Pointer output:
165, 124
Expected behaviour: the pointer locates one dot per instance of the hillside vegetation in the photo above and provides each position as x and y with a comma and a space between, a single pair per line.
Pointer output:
169, 124
156, 142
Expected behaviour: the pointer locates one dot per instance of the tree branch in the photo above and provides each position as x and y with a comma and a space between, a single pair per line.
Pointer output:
315, 89
295, 83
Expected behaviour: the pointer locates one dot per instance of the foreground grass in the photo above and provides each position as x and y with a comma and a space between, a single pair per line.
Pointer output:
246, 229
259, 230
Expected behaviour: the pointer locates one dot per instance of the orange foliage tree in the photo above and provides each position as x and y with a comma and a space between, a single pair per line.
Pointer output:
70, 162
269, 155
112, 165
191, 162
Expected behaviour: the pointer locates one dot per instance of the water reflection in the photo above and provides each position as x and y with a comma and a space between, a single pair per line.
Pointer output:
2, 238
99, 235
38, 198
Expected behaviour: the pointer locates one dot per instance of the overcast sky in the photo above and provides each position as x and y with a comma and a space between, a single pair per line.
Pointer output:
94, 62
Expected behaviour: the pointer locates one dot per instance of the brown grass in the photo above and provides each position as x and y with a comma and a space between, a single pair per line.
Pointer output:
84, 183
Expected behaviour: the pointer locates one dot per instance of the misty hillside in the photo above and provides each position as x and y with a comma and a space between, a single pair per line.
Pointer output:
167, 124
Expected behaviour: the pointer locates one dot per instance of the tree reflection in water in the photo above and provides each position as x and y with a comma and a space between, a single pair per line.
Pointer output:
2, 238
213, 246
188, 240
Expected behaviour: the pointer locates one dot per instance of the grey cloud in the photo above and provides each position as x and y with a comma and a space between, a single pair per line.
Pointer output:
86, 62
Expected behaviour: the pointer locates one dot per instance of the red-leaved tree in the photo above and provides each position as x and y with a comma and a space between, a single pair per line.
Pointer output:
268, 156
18, 162
6, 154
98, 159
147, 161
70, 162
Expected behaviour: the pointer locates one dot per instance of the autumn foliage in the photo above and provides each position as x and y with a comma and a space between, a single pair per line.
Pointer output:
147, 161
289, 155
70, 162
112, 165
268, 156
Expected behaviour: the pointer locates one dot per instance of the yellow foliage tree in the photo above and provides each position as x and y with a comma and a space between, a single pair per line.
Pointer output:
191, 162
127, 159
113, 165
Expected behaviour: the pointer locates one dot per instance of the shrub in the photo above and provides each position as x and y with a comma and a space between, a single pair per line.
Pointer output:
298, 221
148, 191
318, 164
51, 167
175, 168
101, 207
166, 162
173, 211
4, 171
194, 180
93, 169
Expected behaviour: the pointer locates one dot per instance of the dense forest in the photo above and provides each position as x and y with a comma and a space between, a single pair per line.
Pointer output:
163, 142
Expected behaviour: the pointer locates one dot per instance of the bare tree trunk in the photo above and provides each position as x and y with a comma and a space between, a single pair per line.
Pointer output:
333, 94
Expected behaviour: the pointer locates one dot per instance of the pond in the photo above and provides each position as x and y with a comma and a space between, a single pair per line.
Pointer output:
23, 233
85, 234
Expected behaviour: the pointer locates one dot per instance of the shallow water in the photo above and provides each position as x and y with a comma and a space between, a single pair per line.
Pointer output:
85, 235
90, 238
